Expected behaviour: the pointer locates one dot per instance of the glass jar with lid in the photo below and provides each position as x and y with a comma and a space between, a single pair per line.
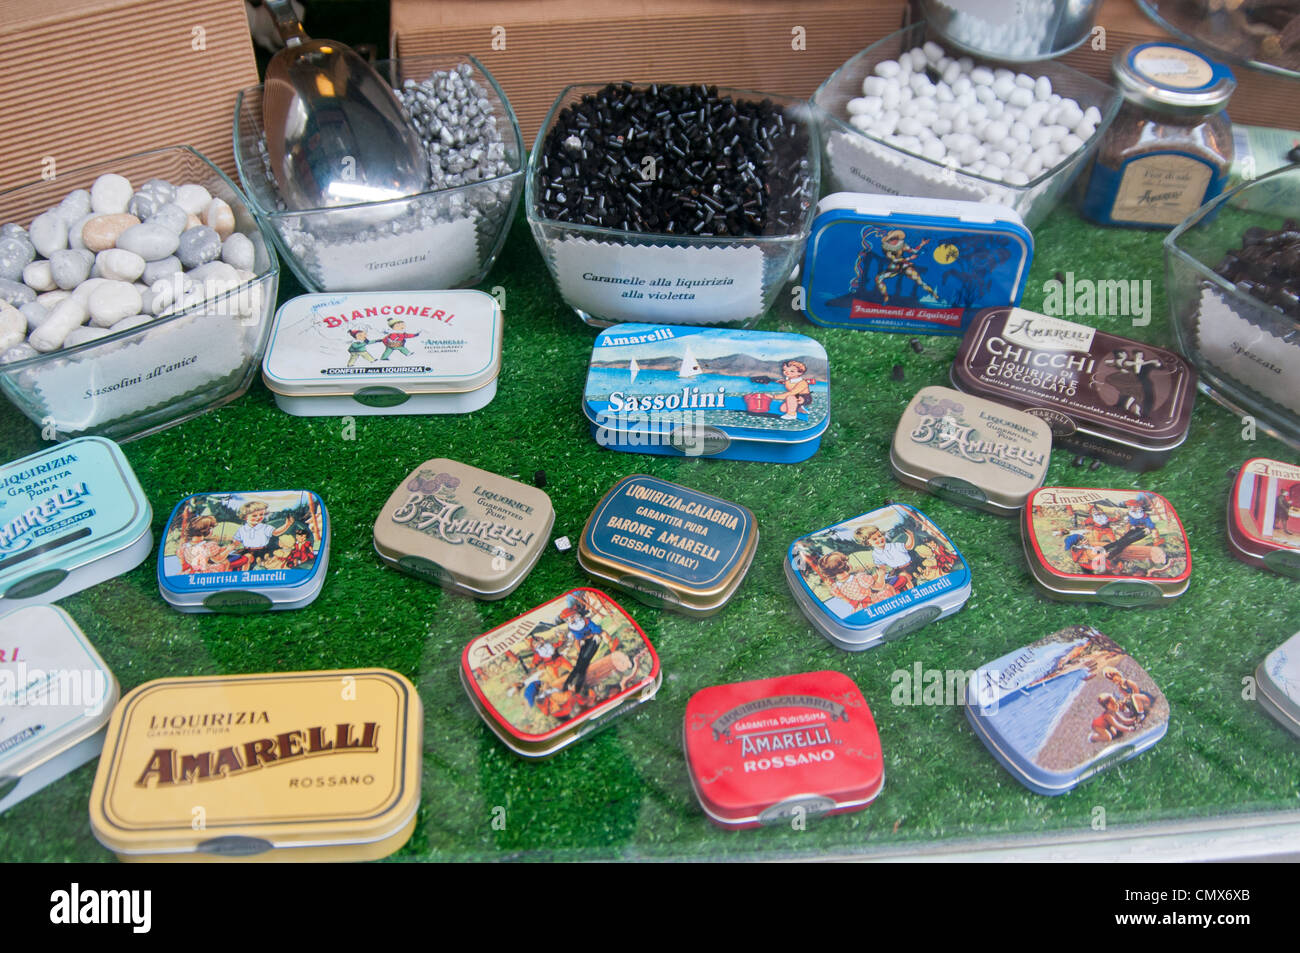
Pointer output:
1169, 150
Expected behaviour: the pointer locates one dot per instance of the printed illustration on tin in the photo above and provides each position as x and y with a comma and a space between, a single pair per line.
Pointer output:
562, 659
1066, 700
944, 424
1267, 503
875, 565
1282, 666
1108, 533
650, 376
436, 508
219, 539
888, 273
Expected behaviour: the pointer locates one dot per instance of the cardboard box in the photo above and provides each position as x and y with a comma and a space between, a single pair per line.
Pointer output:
535, 48
89, 80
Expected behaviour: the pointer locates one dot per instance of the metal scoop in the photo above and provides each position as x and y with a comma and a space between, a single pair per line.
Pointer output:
335, 132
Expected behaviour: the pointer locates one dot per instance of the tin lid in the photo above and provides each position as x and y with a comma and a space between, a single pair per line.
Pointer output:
759, 751
241, 764
1279, 681
1126, 546
883, 574
549, 676
669, 544
464, 527
1078, 378
1168, 76
379, 346
244, 551
682, 386
63, 508
970, 450
55, 690
1065, 707
1264, 514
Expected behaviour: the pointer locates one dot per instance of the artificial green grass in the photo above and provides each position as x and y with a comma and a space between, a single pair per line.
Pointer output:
624, 792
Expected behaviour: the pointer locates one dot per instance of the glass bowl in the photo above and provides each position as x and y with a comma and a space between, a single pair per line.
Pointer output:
856, 161
1246, 351
155, 375
439, 239
609, 276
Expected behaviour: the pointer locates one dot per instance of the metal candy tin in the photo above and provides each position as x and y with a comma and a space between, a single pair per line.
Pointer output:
765, 751
876, 577
56, 694
1264, 516
668, 545
244, 552
71, 516
1064, 708
970, 450
736, 395
468, 530
560, 671
900, 263
319, 766
1278, 679
385, 352
1121, 401
1121, 547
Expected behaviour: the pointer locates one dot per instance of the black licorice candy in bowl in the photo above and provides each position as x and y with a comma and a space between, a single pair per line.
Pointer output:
672, 204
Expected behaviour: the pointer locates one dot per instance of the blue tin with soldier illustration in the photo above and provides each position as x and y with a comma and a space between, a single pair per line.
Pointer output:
708, 392
913, 265
240, 552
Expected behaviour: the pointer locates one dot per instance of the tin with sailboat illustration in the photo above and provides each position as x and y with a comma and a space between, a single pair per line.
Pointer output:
728, 394
1065, 708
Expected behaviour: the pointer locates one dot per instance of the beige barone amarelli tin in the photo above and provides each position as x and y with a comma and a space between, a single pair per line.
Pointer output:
299, 766
469, 530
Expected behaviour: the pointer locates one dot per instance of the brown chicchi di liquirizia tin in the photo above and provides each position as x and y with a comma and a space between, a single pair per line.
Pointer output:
1122, 401
969, 450
767, 751
319, 766
668, 545
560, 671
469, 530
1122, 547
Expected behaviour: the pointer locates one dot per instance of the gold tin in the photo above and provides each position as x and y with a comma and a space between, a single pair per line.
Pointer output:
469, 530
301, 766
669, 546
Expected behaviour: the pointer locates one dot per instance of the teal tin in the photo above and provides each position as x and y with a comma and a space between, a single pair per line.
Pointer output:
71, 517
708, 392
668, 545
242, 552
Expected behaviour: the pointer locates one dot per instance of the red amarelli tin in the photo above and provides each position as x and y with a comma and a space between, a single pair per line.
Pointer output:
1124, 402
1264, 516
765, 751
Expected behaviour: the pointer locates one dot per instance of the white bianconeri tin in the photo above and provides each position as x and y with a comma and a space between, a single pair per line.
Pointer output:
56, 695
384, 352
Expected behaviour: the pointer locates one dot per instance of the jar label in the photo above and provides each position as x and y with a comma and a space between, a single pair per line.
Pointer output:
1173, 66
1160, 189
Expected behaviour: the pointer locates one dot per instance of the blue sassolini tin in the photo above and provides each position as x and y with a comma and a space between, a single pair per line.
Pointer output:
729, 394
71, 517
244, 552
877, 577
1064, 708
898, 263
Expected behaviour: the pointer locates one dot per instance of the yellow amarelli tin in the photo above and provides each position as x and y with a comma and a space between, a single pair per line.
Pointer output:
301, 766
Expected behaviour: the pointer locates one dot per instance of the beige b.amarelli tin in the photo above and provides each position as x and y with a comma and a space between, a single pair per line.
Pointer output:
469, 530
319, 766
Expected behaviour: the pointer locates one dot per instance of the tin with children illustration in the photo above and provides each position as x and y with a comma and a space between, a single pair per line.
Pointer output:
240, 552
73, 516
558, 672
385, 352
1064, 708
877, 577
727, 394
1121, 547
1264, 516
